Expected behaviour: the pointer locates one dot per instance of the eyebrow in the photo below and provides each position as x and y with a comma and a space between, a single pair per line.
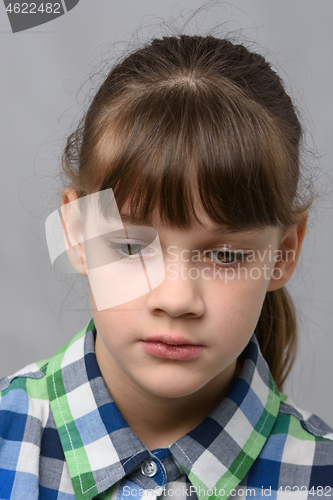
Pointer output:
219, 230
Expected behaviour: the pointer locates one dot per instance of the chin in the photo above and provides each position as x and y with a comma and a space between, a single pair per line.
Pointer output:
171, 390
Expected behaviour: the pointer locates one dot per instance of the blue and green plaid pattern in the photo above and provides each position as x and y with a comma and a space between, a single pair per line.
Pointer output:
62, 437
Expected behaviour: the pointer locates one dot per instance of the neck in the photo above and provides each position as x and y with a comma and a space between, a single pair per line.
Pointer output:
159, 421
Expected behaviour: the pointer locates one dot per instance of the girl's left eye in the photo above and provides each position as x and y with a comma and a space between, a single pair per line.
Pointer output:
227, 258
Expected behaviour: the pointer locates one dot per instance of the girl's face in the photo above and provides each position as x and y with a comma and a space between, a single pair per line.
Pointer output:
188, 331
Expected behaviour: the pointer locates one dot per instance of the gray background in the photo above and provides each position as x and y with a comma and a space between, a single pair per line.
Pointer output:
41, 72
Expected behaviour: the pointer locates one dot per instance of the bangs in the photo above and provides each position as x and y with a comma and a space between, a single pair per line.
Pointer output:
172, 146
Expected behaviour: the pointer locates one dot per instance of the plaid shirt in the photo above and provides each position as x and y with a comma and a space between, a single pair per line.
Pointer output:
62, 437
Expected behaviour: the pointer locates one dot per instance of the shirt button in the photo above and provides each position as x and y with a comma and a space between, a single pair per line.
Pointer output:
149, 468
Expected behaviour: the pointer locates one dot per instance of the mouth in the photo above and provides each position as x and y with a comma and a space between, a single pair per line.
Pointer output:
172, 347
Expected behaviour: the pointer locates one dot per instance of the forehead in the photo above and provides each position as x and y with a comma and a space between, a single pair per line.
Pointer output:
205, 227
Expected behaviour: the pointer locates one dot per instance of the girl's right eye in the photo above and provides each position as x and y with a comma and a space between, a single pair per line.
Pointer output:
129, 250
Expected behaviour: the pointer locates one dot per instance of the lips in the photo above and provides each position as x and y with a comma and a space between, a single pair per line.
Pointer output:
169, 339
171, 346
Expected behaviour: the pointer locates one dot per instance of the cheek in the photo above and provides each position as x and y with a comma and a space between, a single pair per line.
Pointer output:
235, 306
115, 323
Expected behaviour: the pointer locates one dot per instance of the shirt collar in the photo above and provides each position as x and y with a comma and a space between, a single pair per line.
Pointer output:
100, 447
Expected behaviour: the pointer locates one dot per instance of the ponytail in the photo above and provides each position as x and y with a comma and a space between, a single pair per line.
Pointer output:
276, 332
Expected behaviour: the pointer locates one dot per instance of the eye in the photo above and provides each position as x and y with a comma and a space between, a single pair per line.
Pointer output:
129, 250
227, 258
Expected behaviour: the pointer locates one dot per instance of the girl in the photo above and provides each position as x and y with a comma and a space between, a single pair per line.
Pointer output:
184, 211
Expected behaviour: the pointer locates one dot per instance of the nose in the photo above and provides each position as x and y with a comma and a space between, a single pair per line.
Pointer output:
178, 294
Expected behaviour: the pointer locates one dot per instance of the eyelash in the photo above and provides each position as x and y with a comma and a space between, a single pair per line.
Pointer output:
122, 255
234, 263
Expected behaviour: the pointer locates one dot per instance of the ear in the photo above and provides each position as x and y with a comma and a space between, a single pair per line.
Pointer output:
73, 230
289, 252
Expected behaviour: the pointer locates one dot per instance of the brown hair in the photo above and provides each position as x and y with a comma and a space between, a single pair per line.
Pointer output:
193, 115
